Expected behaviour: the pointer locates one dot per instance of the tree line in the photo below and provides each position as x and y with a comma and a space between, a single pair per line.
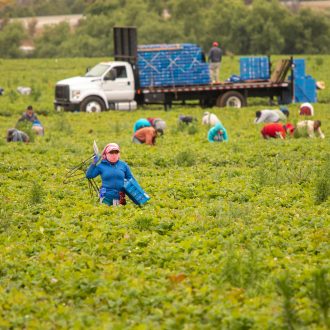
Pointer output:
264, 27
28, 8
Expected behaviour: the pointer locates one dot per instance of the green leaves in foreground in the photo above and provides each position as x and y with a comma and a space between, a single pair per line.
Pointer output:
322, 187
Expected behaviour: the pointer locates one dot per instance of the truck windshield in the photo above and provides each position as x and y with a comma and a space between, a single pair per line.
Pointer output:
97, 70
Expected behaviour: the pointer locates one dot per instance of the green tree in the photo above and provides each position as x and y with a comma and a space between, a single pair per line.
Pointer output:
226, 24
105, 7
48, 45
11, 37
263, 27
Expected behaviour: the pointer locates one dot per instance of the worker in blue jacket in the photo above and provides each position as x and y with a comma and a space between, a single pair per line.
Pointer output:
142, 122
113, 172
217, 133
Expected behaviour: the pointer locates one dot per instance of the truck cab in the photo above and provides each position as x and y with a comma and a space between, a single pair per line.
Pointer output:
108, 85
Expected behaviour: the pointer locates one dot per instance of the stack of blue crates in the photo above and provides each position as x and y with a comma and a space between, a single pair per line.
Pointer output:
304, 86
254, 68
134, 191
164, 65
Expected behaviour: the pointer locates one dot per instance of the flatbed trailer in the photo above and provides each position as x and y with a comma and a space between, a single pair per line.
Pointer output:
225, 94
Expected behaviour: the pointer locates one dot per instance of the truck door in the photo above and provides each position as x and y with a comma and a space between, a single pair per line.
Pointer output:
118, 84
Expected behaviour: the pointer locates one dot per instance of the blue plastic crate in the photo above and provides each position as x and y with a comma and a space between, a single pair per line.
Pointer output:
172, 65
305, 89
134, 191
254, 68
299, 68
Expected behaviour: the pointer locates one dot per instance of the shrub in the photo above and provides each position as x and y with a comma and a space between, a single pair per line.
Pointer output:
185, 158
36, 193
62, 125
285, 289
26, 127
320, 292
322, 189
192, 129
143, 223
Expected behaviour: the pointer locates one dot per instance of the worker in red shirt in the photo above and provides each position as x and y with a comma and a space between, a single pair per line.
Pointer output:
276, 130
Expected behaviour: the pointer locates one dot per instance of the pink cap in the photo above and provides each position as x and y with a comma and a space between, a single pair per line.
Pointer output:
215, 44
110, 147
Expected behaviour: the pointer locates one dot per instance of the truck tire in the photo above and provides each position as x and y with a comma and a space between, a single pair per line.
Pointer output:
92, 104
231, 99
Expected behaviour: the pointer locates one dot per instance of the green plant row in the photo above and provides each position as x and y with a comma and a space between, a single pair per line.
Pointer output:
235, 235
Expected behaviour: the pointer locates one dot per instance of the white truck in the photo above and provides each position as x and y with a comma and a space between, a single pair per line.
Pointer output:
117, 85
108, 85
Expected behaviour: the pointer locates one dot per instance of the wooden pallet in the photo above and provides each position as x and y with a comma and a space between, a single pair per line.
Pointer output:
280, 72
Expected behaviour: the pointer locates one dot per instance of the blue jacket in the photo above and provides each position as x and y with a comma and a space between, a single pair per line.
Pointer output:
142, 122
217, 133
112, 175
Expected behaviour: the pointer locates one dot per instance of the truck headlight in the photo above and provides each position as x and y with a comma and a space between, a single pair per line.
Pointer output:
75, 94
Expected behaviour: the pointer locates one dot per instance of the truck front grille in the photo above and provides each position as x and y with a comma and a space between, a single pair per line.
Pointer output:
62, 92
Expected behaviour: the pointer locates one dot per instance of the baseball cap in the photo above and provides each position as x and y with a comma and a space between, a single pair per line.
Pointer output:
113, 146
215, 43
285, 110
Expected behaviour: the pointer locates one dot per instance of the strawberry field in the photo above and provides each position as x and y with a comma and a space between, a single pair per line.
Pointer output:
235, 236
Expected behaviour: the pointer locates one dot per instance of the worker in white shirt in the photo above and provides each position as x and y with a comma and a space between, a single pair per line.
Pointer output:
311, 127
272, 116
210, 119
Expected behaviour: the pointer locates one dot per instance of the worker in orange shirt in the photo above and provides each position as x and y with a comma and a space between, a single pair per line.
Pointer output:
145, 135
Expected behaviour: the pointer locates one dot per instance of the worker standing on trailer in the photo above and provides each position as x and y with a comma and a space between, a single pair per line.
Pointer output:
215, 57
113, 172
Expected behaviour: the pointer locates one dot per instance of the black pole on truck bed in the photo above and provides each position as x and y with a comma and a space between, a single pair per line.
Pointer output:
125, 44
125, 48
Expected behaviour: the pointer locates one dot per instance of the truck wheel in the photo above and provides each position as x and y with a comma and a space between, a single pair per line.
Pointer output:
92, 104
231, 99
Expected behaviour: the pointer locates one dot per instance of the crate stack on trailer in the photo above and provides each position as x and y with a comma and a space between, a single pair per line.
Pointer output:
164, 65
254, 68
304, 85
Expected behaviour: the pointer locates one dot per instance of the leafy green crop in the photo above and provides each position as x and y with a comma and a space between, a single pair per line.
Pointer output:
234, 236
